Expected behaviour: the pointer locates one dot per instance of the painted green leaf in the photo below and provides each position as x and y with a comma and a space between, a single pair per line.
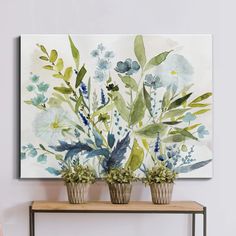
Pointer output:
202, 97
59, 65
184, 148
139, 50
80, 128
89, 87
166, 100
185, 133
147, 99
53, 56
59, 157
83, 101
173, 132
29, 102
198, 105
58, 76
200, 112
174, 139
178, 102
186, 88
43, 49
145, 144
43, 58
121, 105
138, 109
80, 76
103, 110
191, 167
176, 112
129, 82
150, 131
42, 147
78, 103
192, 126
186, 128
157, 60
109, 80
59, 96
68, 73
63, 90
48, 67
75, 53
136, 157
171, 122
54, 102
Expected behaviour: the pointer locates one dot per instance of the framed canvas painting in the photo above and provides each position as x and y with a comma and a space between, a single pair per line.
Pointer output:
116, 100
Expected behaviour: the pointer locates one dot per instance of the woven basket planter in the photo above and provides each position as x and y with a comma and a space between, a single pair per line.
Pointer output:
120, 193
161, 192
77, 192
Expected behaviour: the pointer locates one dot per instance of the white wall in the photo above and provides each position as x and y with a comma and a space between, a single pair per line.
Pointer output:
120, 16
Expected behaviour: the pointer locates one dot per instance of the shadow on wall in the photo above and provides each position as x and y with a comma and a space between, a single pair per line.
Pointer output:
16, 107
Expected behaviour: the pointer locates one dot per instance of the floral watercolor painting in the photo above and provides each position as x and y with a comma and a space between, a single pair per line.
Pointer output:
116, 100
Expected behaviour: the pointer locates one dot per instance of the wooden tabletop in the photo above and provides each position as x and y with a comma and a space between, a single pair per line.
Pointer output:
101, 206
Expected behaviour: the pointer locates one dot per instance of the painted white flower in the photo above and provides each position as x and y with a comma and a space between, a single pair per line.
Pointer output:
175, 70
49, 125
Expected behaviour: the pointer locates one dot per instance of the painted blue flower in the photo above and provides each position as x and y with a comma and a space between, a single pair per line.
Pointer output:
84, 119
40, 99
103, 64
171, 153
33, 152
77, 133
128, 67
176, 69
100, 76
122, 67
109, 54
201, 131
30, 88
189, 157
101, 47
43, 87
30, 146
34, 78
53, 171
134, 68
157, 144
42, 159
22, 155
83, 89
103, 98
189, 117
161, 157
169, 165
152, 81
95, 53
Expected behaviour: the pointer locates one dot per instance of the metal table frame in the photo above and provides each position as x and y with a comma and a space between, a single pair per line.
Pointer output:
193, 213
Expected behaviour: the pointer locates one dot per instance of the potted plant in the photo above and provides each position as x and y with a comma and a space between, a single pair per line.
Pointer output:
161, 181
77, 179
119, 181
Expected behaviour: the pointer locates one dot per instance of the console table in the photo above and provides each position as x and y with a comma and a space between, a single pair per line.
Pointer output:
180, 207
